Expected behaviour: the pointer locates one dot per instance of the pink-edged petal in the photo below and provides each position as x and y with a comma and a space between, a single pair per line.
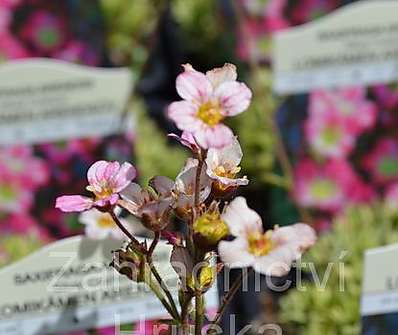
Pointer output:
96, 172
218, 136
73, 203
221, 75
277, 263
162, 185
193, 85
235, 254
228, 156
183, 114
299, 235
123, 177
234, 97
111, 170
240, 218
186, 139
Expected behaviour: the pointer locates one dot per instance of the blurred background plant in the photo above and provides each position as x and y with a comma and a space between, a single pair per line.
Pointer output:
331, 311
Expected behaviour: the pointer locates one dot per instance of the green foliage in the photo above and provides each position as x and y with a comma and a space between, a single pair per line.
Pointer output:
155, 155
331, 311
129, 25
204, 31
15, 247
255, 131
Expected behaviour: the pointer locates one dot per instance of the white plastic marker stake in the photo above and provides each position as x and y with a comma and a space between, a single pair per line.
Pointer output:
354, 45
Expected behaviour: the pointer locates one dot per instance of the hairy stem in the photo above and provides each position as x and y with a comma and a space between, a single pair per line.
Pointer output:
163, 286
199, 312
158, 290
133, 240
197, 181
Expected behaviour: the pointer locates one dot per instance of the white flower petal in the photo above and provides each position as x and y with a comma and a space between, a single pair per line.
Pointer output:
240, 218
235, 254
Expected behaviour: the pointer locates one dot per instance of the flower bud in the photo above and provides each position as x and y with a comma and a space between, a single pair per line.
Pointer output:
206, 277
130, 264
209, 229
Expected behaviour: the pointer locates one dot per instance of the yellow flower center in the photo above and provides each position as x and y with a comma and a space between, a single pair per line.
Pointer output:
105, 192
106, 221
260, 244
210, 113
221, 171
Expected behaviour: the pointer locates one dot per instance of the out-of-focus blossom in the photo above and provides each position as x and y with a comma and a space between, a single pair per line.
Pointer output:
386, 95
308, 10
5, 18
271, 252
10, 48
391, 196
382, 161
78, 52
44, 31
61, 152
208, 99
100, 225
358, 113
18, 163
106, 181
328, 186
329, 135
14, 197
223, 166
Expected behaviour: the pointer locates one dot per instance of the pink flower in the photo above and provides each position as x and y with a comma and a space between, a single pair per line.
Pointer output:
391, 196
382, 161
20, 164
19, 223
14, 198
208, 99
386, 95
272, 252
329, 135
78, 52
44, 30
106, 180
10, 48
254, 37
5, 18
329, 186
308, 10
350, 104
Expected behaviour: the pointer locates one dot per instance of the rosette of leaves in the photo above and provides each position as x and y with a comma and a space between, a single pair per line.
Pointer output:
332, 311
129, 25
154, 154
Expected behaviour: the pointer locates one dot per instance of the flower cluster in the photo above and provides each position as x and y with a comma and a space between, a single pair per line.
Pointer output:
351, 150
196, 197
44, 32
18, 186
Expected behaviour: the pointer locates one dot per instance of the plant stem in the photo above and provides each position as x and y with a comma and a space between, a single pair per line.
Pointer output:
157, 289
163, 286
135, 242
229, 295
199, 312
197, 181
